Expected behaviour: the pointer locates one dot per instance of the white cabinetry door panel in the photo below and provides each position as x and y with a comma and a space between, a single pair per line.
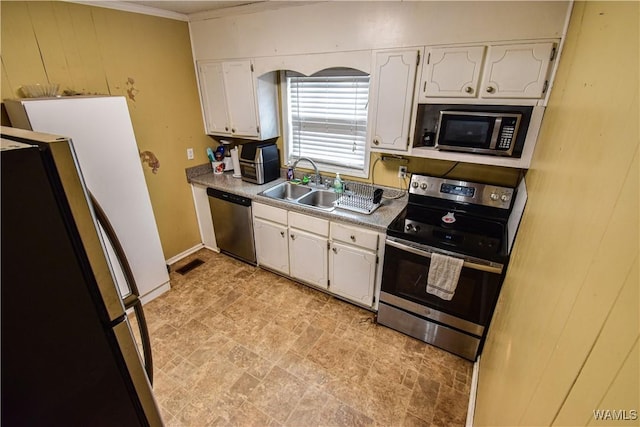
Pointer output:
308, 257
241, 99
272, 245
452, 72
516, 71
391, 98
213, 98
352, 272
235, 102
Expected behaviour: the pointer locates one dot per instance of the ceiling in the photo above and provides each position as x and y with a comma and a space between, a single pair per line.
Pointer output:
193, 10
189, 7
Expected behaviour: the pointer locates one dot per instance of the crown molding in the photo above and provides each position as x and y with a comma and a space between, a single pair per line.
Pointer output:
135, 8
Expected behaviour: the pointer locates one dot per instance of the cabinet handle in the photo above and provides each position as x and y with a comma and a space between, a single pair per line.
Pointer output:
353, 238
376, 142
468, 89
490, 89
282, 233
335, 251
293, 237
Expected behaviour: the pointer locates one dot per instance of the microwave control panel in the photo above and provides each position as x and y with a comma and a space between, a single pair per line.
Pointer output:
507, 132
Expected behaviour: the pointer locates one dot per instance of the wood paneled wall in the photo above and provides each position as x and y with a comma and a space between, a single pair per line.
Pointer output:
564, 338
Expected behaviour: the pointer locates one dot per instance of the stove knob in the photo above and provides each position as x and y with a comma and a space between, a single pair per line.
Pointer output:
416, 228
504, 198
414, 184
423, 185
494, 196
408, 227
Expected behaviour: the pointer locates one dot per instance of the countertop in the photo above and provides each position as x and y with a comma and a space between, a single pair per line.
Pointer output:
379, 220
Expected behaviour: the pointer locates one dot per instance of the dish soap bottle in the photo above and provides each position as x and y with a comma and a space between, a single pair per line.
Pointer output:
338, 185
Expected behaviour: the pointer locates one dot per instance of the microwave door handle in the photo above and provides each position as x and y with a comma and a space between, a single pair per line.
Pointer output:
427, 254
497, 125
131, 301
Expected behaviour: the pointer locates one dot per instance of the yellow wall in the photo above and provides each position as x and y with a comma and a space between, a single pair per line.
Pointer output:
564, 338
101, 51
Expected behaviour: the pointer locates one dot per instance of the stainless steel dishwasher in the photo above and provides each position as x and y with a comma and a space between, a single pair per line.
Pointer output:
232, 224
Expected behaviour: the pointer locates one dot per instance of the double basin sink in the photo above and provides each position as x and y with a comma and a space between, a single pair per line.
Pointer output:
313, 197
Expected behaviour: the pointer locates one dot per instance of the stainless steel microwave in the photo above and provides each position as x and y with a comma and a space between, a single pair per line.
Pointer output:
495, 130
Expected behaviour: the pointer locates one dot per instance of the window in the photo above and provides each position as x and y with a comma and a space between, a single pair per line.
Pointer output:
327, 119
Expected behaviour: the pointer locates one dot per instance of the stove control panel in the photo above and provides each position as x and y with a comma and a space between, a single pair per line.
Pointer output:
461, 191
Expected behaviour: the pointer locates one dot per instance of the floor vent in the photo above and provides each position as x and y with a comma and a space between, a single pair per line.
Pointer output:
189, 266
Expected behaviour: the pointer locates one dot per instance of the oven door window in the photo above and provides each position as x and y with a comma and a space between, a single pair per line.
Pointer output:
466, 131
405, 276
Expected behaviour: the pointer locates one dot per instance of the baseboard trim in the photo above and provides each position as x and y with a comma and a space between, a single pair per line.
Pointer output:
155, 293
471, 409
184, 254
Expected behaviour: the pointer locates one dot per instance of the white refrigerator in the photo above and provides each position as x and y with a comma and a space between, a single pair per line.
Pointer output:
105, 145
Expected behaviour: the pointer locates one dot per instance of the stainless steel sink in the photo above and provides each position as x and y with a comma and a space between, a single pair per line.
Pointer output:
318, 198
322, 199
286, 191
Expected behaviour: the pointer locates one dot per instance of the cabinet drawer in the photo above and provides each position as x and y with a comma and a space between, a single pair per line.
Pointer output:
269, 212
354, 236
309, 223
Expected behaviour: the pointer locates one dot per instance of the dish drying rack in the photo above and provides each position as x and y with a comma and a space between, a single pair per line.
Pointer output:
359, 197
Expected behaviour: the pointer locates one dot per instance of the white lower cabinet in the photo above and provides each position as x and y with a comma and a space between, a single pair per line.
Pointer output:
308, 257
340, 258
308, 244
272, 245
352, 273
353, 261
270, 233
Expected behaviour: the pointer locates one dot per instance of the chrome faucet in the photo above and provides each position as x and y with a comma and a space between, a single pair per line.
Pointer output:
315, 167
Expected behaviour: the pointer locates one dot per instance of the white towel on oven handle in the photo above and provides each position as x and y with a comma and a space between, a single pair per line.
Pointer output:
444, 273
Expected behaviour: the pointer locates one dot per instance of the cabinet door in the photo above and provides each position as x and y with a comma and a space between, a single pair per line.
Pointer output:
308, 257
452, 72
272, 245
516, 71
214, 102
241, 98
352, 273
391, 99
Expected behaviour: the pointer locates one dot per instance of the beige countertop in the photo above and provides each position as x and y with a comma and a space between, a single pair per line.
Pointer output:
378, 220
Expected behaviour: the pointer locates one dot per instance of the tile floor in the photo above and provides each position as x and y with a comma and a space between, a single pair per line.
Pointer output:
235, 345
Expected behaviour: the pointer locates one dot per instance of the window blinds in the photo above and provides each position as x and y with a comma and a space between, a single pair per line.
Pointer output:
328, 117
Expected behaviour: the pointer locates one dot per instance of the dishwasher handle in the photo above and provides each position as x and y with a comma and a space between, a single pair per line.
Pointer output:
229, 197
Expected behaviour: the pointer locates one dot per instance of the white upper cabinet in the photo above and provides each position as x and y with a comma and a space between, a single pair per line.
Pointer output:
235, 102
504, 71
517, 70
453, 72
214, 103
391, 98
241, 98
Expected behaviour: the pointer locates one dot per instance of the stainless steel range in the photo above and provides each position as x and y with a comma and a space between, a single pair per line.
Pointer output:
463, 221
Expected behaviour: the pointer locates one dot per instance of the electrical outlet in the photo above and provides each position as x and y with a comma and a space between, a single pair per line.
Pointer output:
402, 172
189, 153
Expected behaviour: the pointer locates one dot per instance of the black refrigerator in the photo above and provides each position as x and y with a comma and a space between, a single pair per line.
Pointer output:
68, 353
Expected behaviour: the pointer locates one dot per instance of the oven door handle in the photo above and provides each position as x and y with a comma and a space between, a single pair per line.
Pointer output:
427, 254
